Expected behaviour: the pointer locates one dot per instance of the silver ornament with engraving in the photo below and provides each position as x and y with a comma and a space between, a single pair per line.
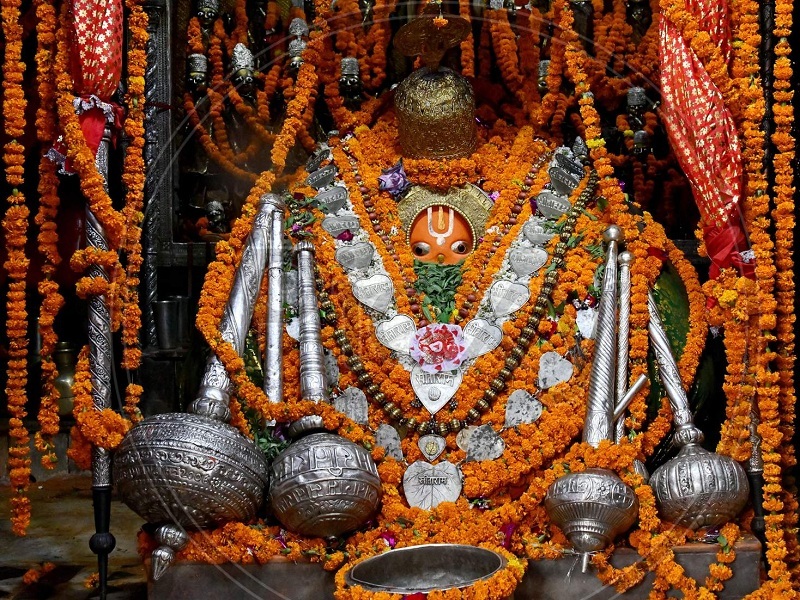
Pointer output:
387, 437
554, 369
355, 257
431, 446
506, 297
315, 160
426, 486
562, 181
375, 292
336, 226
333, 199
586, 320
568, 162
535, 232
527, 261
485, 444
321, 177
353, 403
396, 333
462, 439
435, 390
522, 407
551, 205
481, 337
331, 369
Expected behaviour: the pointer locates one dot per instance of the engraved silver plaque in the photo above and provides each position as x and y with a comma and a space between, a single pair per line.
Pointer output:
353, 403
522, 407
507, 297
427, 486
481, 337
376, 292
435, 390
431, 446
462, 439
526, 261
563, 182
321, 177
388, 437
396, 333
315, 160
554, 369
336, 226
357, 256
485, 444
570, 164
333, 199
551, 205
535, 232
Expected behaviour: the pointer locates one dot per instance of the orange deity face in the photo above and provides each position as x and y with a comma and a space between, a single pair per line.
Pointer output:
442, 235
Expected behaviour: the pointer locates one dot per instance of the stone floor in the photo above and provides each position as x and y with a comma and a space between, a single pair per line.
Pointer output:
59, 533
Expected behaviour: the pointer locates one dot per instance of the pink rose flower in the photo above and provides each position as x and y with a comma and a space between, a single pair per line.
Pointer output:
438, 347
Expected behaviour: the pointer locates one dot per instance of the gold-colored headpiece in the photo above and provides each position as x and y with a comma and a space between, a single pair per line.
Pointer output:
435, 106
470, 201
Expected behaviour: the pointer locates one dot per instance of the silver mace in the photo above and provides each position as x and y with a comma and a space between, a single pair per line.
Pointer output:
213, 456
697, 488
594, 506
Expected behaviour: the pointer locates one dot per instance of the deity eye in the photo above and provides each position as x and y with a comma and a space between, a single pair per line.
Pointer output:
459, 247
420, 248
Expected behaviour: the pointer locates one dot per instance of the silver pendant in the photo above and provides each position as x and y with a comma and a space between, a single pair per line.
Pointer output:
435, 390
336, 226
333, 199
507, 297
376, 292
353, 403
562, 181
586, 320
315, 160
432, 446
322, 177
535, 232
526, 261
570, 164
462, 439
388, 437
522, 407
551, 205
485, 444
427, 486
357, 256
481, 337
396, 333
554, 369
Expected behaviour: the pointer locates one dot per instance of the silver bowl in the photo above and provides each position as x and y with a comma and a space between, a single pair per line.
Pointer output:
427, 568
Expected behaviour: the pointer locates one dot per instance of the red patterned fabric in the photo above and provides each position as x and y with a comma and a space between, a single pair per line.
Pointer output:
96, 46
700, 126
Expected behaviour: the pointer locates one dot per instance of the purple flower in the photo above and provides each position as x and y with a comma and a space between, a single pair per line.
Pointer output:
622, 185
394, 180
389, 538
296, 227
534, 204
345, 236
507, 530
494, 196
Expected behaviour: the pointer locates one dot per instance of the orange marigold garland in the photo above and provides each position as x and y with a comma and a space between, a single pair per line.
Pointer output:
52, 301
15, 228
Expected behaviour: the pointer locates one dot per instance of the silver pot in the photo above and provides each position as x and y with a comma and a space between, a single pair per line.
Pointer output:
190, 470
423, 569
699, 488
591, 508
324, 485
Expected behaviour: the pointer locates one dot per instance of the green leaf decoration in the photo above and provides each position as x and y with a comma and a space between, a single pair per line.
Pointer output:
438, 284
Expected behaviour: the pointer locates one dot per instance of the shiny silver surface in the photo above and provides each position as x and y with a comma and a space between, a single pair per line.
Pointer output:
190, 470
697, 488
213, 394
273, 361
601, 401
324, 485
100, 348
623, 332
591, 508
312, 358
424, 569
171, 539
